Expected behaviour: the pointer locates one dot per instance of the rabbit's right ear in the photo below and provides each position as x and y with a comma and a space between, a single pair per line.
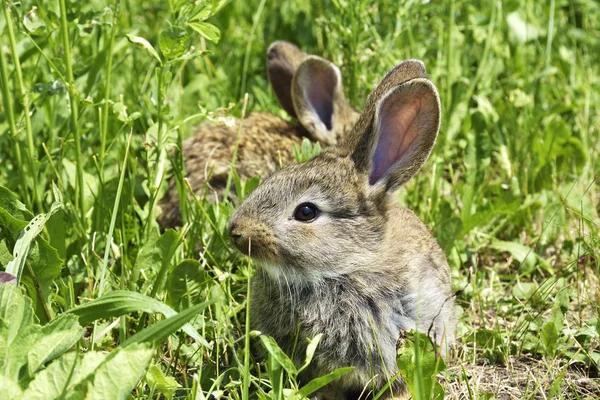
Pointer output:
319, 99
398, 128
283, 59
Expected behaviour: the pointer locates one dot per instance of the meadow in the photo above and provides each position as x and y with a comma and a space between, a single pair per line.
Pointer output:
98, 96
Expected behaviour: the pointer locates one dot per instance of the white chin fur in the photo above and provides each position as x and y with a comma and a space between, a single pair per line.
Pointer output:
294, 277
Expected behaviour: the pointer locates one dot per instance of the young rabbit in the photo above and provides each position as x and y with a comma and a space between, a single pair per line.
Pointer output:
309, 88
337, 257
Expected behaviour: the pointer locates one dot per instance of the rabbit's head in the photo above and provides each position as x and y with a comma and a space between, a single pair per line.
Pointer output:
328, 216
310, 89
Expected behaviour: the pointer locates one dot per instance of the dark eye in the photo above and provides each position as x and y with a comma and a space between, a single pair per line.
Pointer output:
306, 212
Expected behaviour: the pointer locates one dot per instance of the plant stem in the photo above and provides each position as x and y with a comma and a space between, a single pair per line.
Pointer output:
8, 107
26, 112
259, 11
157, 176
109, 62
449, 60
111, 229
246, 379
73, 100
550, 34
235, 148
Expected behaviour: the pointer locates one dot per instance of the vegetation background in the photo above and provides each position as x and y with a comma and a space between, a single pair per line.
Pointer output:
95, 94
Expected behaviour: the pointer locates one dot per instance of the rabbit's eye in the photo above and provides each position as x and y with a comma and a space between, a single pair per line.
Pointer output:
306, 212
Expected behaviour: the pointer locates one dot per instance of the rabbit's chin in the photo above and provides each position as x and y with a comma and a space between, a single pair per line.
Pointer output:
292, 275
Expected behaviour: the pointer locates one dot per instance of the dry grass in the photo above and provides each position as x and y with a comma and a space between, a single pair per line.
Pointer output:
521, 377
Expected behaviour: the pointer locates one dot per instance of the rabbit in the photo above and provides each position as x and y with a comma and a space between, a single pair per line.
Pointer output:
309, 88
336, 256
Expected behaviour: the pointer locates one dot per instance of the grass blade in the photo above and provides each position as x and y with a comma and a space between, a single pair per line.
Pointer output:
161, 330
121, 302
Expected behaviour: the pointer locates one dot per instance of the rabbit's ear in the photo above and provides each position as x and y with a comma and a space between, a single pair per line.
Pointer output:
318, 98
283, 59
402, 133
359, 139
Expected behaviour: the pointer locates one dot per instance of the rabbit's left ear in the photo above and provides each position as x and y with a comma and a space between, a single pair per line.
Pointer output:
283, 59
404, 130
319, 99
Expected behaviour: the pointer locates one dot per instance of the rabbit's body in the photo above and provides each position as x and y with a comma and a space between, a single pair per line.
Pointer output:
336, 256
380, 273
362, 313
309, 88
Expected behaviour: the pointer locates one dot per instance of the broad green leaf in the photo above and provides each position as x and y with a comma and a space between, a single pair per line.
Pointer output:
62, 374
144, 44
484, 338
17, 330
523, 254
156, 379
559, 308
185, 283
173, 42
118, 373
53, 340
206, 30
13, 214
271, 346
120, 302
46, 266
11, 389
321, 381
5, 255
161, 330
53, 381
45, 263
24, 242
524, 290
550, 338
200, 13
154, 255
33, 23
175, 5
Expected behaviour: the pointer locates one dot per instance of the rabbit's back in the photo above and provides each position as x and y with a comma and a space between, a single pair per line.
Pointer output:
265, 142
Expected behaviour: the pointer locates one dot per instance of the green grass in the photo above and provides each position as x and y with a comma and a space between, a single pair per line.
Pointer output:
511, 192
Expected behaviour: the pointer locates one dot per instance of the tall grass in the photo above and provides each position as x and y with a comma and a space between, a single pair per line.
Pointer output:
511, 191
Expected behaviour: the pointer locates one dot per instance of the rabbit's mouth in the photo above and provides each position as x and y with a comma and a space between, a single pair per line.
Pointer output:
256, 250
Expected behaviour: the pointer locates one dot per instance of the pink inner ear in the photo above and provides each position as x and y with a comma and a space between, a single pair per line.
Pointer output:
397, 132
320, 94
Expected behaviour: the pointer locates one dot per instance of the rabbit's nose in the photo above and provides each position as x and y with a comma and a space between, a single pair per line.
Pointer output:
233, 229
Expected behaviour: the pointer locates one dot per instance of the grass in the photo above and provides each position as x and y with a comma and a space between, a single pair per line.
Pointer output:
511, 192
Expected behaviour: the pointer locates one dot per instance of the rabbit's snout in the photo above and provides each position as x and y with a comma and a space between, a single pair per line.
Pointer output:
236, 231
252, 238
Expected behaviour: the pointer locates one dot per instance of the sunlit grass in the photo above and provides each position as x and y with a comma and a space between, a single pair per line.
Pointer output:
511, 191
